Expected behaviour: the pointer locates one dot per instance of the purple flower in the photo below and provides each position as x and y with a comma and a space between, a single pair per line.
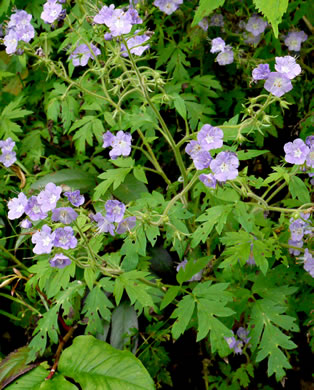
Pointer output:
135, 45
126, 224
297, 230
108, 139
193, 148
256, 25
60, 261
242, 333
135, 19
225, 166
234, 344
115, 210
209, 180
121, 145
8, 145
194, 278
277, 84
44, 240
49, 197
17, 206
210, 137
103, 224
294, 39
310, 157
10, 42
297, 244
251, 39
75, 198
33, 209
287, 66
82, 54
108, 36
8, 158
225, 57
64, 238
309, 140
26, 224
104, 15
168, 6
65, 215
296, 151
218, 45
261, 72
19, 19
51, 12
217, 20
308, 262
202, 160
203, 24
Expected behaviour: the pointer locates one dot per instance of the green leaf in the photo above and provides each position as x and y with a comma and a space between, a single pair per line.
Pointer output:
30, 381
112, 177
130, 190
95, 364
243, 155
179, 105
191, 268
170, 295
205, 8
183, 313
124, 318
260, 253
273, 11
75, 179
139, 174
299, 190
13, 366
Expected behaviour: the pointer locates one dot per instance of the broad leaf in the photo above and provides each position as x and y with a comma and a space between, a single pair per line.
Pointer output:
205, 8
273, 11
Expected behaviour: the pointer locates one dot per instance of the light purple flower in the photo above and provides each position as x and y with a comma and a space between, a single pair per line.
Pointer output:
75, 198
261, 72
121, 145
44, 240
309, 140
296, 151
256, 25
19, 19
64, 238
82, 54
210, 137
26, 224
8, 145
51, 12
294, 39
251, 39
218, 45
65, 215
135, 45
225, 166
49, 197
168, 6
8, 158
33, 209
209, 180
103, 224
10, 42
193, 148
310, 157
126, 224
194, 278
60, 261
225, 57
277, 84
203, 24
242, 333
108, 139
115, 210
298, 244
308, 262
287, 66
105, 15
202, 160
135, 19
234, 344
297, 230
108, 36
17, 206
217, 20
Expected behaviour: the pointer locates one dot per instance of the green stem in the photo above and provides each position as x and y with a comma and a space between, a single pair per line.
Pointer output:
276, 192
21, 302
12, 257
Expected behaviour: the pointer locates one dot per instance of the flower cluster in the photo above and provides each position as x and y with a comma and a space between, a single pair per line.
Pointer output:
299, 152
298, 229
224, 166
308, 262
236, 345
8, 156
294, 39
194, 278
82, 54
52, 11
278, 83
118, 21
115, 211
168, 6
19, 28
135, 45
120, 143
225, 56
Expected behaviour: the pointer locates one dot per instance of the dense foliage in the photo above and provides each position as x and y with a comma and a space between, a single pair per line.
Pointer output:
156, 182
